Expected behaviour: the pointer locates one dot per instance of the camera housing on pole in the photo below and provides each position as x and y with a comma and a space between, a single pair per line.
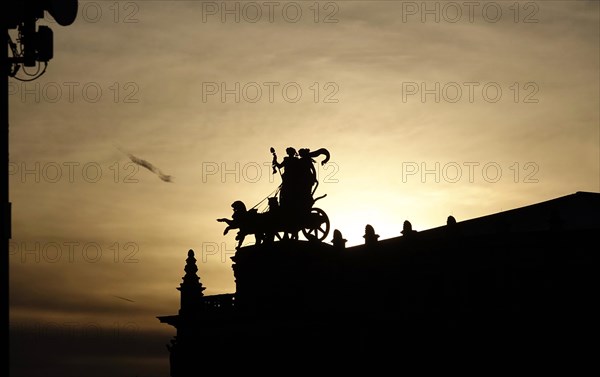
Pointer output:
34, 45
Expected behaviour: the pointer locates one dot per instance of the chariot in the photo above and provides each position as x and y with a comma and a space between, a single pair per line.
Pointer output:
290, 208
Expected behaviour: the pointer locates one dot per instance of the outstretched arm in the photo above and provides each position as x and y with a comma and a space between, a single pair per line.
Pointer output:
227, 221
274, 164
277, 164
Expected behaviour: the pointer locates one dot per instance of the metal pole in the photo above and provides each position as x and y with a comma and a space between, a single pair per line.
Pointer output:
6, 206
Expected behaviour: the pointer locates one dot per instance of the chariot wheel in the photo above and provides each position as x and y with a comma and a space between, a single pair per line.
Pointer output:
317, 225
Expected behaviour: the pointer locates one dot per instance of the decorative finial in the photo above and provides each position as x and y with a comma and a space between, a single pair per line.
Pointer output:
191, 281
338, 241
407, 229
370, 236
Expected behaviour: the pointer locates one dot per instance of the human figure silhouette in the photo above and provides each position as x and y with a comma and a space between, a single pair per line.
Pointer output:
299, 177
307, 178
291, 180
296, 191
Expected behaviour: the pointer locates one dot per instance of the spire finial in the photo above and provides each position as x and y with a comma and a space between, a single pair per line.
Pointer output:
191, 288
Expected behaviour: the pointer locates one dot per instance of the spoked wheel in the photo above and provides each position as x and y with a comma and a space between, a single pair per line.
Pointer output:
317, 225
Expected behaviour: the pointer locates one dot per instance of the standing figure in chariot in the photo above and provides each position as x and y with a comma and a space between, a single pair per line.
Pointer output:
299, 176
290, 180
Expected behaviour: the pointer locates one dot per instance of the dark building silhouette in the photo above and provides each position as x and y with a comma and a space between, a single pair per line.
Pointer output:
523, 277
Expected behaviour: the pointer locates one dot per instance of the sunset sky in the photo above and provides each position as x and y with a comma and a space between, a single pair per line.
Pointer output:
428, 110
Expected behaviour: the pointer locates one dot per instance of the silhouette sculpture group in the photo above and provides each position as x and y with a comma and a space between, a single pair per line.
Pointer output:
290, 210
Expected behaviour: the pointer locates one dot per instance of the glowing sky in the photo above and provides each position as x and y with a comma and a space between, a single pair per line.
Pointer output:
423, 118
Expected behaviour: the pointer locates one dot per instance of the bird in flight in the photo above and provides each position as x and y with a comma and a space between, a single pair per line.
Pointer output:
149, 166
123, 298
